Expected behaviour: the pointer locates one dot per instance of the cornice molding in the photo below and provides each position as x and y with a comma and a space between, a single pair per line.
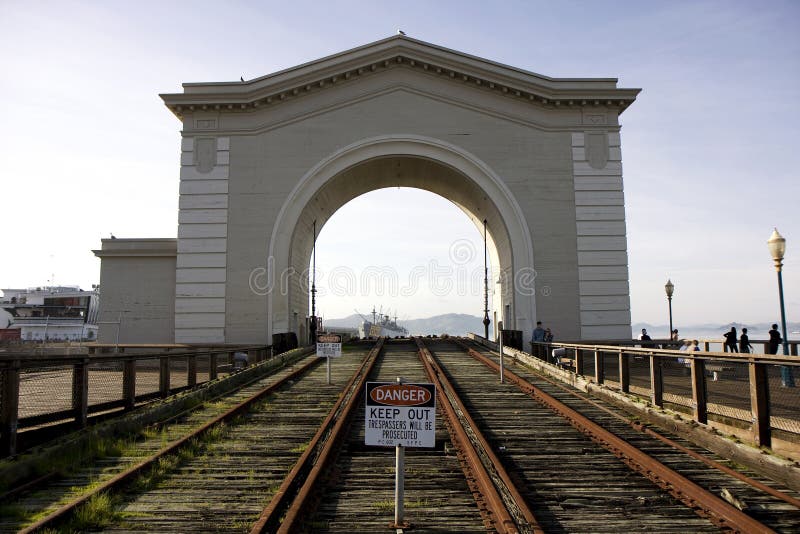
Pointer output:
153, 247
392, 53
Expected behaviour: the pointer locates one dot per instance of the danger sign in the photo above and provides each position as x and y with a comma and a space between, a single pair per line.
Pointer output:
329, 345
400, 414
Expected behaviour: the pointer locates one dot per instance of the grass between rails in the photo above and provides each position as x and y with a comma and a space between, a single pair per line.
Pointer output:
128, 447
104, 509
113, 446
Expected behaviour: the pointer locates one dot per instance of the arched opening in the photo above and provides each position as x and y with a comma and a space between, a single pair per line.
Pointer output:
406, 253
404, 161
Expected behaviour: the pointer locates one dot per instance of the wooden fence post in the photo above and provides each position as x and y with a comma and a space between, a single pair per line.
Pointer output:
656, 381
80, 392
699, 392
163, 377
129, 383
599, 368
624, 372
759, 404
9, 404
212, 366
191, 371
579, 362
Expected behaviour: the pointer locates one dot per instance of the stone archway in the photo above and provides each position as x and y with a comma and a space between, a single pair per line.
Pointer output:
409, 161
539, 157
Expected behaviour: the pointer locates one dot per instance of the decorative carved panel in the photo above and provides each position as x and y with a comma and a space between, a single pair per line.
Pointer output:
597, 149
205, 154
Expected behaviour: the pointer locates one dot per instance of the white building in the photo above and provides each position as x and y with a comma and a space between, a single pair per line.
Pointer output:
56, 313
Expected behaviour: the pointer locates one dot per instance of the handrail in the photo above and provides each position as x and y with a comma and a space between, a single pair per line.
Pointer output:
74, 371
60, 359
699, 364
742, 357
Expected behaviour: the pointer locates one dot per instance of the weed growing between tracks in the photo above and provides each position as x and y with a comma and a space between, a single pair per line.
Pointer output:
68, 464
385, 506
103, 509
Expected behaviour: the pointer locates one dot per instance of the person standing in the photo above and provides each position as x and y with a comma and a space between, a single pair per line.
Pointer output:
548, 336
644, 337
538, 332
730, 340
674, 336
744, 342
774, 340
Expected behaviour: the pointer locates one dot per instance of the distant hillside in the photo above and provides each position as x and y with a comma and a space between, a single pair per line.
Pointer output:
351, 321
455, 324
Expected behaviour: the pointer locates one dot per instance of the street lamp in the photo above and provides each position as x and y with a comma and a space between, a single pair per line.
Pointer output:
669, 287
486, 320
777, 247
313, 326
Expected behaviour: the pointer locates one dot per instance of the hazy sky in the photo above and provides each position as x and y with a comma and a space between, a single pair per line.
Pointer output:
709, 148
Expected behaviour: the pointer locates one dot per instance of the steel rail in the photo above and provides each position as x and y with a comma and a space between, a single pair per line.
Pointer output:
499, 512
294, 495
677, 446
696, 497
126, 476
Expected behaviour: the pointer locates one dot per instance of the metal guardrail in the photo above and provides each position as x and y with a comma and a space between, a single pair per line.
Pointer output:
43, 389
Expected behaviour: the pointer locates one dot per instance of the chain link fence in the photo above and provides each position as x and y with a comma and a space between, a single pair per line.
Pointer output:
44, 390
105, 383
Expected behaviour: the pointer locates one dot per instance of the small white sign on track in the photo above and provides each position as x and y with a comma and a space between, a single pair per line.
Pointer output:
400, 414
329, 345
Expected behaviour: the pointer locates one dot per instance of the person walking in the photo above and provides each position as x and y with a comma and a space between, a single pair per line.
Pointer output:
730, 340
774, 340
744, 342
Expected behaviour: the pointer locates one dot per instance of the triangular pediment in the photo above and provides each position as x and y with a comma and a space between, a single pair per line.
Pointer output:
392, 53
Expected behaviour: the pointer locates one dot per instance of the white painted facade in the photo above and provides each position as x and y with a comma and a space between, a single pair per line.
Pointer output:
538, 158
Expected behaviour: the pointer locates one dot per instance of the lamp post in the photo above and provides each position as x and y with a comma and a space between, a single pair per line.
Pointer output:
486, 320
313, 326
669, 287
777, 248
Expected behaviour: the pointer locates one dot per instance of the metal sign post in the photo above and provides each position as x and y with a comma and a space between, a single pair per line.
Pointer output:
399, 478
501, 357
400, 415
329, 346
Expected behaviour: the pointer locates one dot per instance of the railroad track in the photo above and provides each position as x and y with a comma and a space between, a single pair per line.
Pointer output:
147, 461
508, 458
359, 495
571, 481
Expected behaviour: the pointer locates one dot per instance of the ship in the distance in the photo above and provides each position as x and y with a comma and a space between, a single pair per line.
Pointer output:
382, 325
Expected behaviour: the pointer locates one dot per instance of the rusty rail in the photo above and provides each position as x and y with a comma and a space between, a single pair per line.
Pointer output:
702, 501
502, 518
677, 446
128, 475
297, 490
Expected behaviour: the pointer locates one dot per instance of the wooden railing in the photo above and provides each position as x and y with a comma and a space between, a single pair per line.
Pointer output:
742, 382
43, 389
701, 365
